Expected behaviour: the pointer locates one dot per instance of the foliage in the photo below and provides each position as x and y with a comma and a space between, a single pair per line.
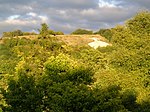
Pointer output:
13, 33
29, 33
132, 48
45, 74
55, 91
128, 57
23, 95
81, 32
51, 32
140, 24
44, 30
8, 60
59, 33
63, 68
107, 33
17, 33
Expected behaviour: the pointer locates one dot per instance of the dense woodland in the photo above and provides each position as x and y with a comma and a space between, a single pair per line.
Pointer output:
46, 75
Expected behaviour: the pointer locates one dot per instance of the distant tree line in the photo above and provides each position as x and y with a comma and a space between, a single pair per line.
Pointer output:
17, 33
44, 31
107, 33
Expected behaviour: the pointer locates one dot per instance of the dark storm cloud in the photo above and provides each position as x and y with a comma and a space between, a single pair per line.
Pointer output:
67, 15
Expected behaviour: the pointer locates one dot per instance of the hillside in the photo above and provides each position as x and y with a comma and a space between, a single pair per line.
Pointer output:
70, 39
79, 39
63, 73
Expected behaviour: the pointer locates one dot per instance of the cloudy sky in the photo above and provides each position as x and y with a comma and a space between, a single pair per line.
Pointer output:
67, 15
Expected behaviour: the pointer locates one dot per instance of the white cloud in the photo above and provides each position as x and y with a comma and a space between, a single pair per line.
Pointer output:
27, 7
89, 12
20, 22
25, 20
44, 19
32, 14
62, 12
13, 17
103, 3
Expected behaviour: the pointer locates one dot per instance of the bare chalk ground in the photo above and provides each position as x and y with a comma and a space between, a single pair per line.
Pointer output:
97, 43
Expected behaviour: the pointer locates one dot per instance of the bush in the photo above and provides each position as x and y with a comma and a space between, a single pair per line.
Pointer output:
107, 33
63, 68
13, 33
82, 32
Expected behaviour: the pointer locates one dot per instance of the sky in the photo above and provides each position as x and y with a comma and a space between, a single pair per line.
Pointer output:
67, 15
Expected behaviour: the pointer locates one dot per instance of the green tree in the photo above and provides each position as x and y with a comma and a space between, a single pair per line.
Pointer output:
23, 95
29, 33
7, 34
59, 33
63, 87
63, 68
13, 33
107, 33
17, 33
82, 32
44, 30
140, 24
132, 48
